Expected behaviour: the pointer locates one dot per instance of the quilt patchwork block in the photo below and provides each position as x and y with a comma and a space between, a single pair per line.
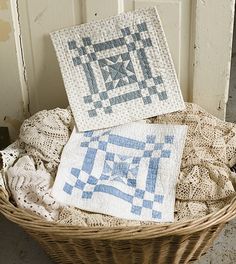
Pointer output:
117, 70
128, 171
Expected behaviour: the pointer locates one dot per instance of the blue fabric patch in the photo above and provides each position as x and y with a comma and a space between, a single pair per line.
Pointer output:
151, 139
152, 174
113, 191
147, 153
131, 182
165, 153
79, 184
75, 172
109, 156
156, 214
139, 193
120, 169
88, 133
125, 142
158, 146
87, 195
147, 204
158, 198
136, 210
92, 180
169, 139
84, 144
136, 160
102, 145
68, 188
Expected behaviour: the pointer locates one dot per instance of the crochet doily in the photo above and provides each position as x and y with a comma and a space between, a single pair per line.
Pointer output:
45, 135
37, 155
31, 187
205, 183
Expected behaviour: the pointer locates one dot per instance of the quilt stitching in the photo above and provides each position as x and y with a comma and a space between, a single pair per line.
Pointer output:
123, 169
115, 67
118, 70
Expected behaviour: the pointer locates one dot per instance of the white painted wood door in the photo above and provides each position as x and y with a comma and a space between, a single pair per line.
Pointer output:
199, 33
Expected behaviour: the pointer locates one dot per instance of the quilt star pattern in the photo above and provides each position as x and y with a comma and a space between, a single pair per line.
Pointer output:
117, 70
128, 171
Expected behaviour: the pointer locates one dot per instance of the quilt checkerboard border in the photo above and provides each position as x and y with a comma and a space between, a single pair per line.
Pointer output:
119, 175
117, 71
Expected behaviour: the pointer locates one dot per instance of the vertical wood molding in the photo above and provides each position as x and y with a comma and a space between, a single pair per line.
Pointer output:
212, 31
13, 92
37, 20
20, 56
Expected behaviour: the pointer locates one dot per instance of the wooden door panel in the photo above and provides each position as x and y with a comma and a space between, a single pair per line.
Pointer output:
38, 19
187, 24
175, 17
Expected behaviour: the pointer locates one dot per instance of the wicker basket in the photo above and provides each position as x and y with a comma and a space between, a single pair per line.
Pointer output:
180, 242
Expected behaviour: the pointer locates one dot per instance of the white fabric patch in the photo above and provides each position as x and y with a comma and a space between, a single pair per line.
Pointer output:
117, 70
128, 171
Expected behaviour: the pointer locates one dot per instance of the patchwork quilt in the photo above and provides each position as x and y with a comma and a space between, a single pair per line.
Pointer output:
117, 70
128, 171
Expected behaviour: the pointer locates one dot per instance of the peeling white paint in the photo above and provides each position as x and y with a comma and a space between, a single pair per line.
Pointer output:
212, 34
10, 92
20, 56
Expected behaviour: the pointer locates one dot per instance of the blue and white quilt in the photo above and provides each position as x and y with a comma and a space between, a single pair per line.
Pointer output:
128, 171
117, 70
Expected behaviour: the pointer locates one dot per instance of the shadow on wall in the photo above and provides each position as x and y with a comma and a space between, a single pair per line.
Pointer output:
49, 76
231, 105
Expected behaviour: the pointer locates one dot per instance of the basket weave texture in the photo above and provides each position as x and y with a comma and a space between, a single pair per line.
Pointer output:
179, 242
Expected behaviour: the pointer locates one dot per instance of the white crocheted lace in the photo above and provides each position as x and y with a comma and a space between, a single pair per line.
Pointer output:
7, 158
205, 183
31, 187
45, 135
75, 216
29, 181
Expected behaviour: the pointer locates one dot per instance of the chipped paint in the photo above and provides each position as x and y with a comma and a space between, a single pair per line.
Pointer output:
211, 45
5, 29
3, 4
21, 58
40, 15
219, 106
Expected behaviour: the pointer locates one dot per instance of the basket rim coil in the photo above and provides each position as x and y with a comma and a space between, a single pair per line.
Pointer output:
30, 221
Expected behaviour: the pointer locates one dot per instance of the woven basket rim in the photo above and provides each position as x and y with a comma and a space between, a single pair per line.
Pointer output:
32, 222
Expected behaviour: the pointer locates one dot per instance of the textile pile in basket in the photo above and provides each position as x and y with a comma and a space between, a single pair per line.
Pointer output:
117, 167
205, 183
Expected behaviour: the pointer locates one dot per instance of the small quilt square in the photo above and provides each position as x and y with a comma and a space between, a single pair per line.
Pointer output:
117, 70
111, 171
